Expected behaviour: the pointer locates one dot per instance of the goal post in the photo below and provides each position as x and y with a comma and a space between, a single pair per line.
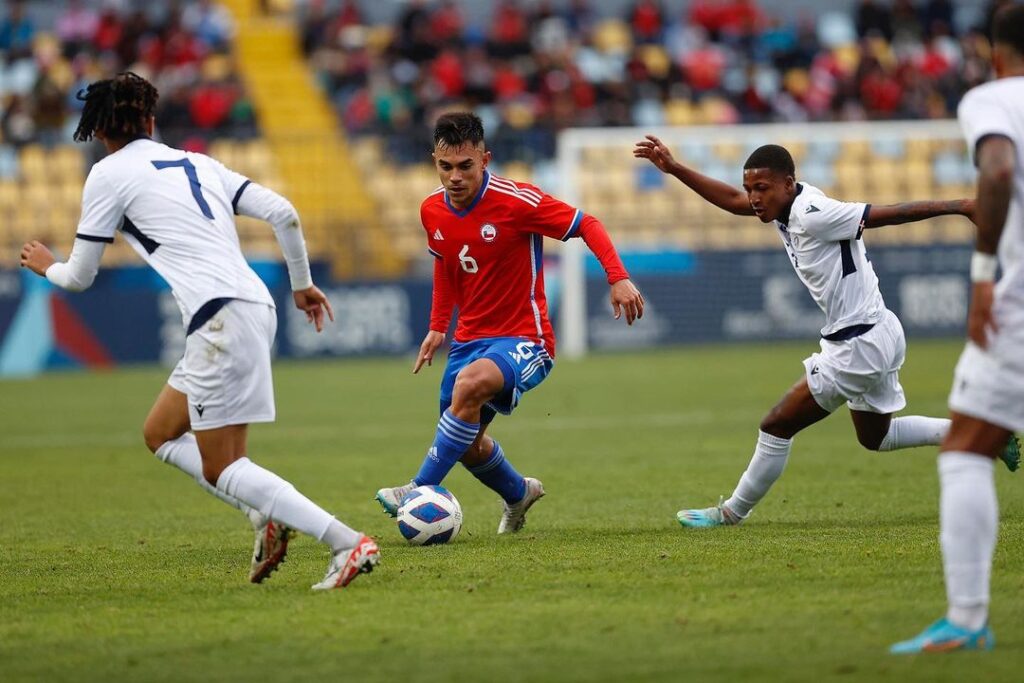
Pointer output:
701, 268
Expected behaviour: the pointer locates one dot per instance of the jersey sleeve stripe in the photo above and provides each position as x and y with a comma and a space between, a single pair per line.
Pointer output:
238, 195
863, 220
516, 195
574, 226
93, 238
434, 253
509, 185
985, 136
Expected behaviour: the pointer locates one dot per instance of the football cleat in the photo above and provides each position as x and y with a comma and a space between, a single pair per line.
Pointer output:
391, 499
514, 517
1011, 454
269, 550
349, 563
702, 518
943, 636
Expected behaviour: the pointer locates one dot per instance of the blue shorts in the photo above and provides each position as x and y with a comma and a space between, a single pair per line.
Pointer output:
524, 363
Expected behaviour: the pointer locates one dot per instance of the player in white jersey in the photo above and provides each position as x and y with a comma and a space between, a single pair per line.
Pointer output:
176, 209
987, 399
862, 343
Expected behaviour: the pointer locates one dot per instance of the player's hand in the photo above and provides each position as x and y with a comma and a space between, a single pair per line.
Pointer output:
314, 303
626, 297
36, 257
655, 151
431, 343
980, 320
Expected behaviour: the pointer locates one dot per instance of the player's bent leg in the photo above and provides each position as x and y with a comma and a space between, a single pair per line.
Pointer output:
166, 434
223, 451
457, 430
797, 409
968, 523
475, 385
167, 419
877, 433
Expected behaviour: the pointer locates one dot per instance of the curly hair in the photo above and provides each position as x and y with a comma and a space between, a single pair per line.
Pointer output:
117, 107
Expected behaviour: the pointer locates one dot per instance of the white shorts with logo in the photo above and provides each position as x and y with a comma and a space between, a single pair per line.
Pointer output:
988, 384
862, 372
225, 371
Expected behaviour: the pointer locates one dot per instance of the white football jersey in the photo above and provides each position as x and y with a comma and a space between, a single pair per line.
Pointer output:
997, 108
824, 245
176, 209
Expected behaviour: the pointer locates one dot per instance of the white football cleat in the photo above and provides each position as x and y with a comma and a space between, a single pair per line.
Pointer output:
269, 550
391, 498
514, 517
349, 563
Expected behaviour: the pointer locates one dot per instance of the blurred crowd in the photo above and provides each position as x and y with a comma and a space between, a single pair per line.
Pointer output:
540, 66
49, 51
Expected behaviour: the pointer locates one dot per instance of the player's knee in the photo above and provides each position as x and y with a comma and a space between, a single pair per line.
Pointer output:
872, 442
154, 437
773, 423
473, 385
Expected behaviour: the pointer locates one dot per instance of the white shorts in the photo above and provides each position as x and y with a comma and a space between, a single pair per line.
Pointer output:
225, 371
863, 372
988, 384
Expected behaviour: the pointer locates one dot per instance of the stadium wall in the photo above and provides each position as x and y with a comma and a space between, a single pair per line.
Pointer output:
129, 316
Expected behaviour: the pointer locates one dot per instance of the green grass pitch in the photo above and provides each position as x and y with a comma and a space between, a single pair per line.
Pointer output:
115, 567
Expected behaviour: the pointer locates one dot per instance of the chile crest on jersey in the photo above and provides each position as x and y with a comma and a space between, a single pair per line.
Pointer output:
488, 232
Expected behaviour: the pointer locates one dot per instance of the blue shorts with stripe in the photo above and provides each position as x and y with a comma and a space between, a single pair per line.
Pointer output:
524, 363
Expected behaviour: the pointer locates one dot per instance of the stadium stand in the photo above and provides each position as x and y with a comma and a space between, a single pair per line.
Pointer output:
240, 79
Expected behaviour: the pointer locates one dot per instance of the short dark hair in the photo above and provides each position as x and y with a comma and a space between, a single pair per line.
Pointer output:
1008, 27
772, 157
118, 107
457, 128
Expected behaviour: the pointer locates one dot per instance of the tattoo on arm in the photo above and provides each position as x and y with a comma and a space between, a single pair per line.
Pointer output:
910, 212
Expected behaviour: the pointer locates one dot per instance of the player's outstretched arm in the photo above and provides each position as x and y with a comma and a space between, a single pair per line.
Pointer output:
722, 195
910, 212
996, 165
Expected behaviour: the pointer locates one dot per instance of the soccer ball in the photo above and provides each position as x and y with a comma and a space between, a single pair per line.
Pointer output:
429, 515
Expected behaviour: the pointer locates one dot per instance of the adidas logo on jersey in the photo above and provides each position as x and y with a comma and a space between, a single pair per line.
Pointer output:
438, 236
812, 209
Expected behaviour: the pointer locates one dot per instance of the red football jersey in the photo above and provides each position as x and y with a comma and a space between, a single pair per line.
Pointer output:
491, 258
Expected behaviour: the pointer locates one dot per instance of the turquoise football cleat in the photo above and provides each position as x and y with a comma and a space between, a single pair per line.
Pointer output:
943, 636
1011, 454
708, 517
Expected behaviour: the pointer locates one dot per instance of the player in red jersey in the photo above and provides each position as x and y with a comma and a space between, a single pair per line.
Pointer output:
485, 233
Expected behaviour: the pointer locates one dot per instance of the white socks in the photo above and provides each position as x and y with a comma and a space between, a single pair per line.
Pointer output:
969, 521
183, 453
913, 430
765, 467
277, 499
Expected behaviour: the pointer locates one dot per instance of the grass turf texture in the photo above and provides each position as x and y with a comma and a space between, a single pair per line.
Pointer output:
116, 567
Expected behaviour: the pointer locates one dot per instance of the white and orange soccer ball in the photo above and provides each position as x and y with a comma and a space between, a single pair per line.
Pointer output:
429, 515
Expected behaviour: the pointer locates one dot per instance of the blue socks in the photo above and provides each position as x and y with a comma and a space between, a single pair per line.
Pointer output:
499, 475
453, 438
